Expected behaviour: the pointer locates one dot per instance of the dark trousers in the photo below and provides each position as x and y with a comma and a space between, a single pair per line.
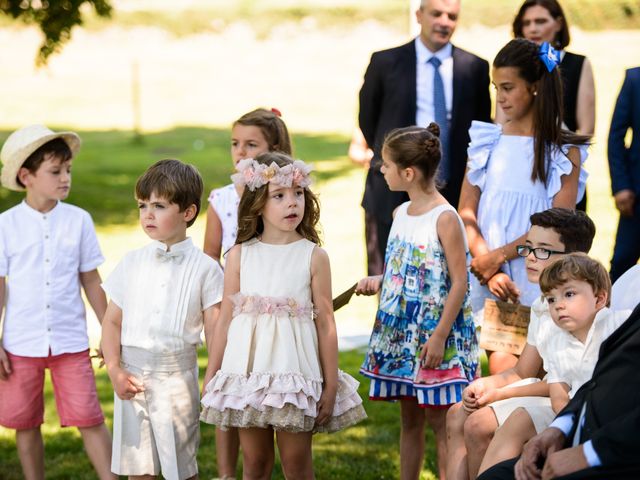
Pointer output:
504, 471
627, 249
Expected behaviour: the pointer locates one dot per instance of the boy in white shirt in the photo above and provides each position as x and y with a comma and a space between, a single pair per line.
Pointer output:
48, 250
161, 296
577, 289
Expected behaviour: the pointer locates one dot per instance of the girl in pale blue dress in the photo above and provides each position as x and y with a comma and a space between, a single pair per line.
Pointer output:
525, 166
423, 349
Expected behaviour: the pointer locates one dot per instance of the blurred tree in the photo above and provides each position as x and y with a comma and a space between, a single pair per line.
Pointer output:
55, 18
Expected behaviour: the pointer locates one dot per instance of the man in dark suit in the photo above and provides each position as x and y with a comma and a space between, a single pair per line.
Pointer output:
624, 165
425, 80
596, 435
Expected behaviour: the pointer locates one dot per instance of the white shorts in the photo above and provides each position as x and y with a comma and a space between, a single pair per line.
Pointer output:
158, 430
538, 408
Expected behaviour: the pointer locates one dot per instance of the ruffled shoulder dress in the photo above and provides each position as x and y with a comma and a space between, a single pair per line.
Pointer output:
500, 166
271, 374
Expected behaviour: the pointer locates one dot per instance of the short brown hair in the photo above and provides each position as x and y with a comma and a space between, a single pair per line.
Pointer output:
176, 182
56, 148
271, 125
576, 266
575, 228
555, 10
252, 202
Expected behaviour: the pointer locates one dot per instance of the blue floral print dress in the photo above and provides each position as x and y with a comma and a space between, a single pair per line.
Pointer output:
415, 287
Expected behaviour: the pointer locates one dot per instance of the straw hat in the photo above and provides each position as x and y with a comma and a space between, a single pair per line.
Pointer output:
24, 142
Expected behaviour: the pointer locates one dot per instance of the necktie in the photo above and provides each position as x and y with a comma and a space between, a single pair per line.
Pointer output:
163, 256
440, 111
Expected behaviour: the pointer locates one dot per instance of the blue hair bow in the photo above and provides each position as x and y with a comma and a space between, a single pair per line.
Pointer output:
549, 56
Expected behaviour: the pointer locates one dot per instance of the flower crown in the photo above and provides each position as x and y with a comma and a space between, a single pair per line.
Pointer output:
252, 174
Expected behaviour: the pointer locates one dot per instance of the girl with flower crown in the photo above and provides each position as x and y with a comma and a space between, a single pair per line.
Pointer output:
273, 363
258, 131
526, 165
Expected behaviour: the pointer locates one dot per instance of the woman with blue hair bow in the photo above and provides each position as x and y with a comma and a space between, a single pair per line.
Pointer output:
526, 165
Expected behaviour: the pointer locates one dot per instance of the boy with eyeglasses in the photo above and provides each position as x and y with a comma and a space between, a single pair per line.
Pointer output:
489, 401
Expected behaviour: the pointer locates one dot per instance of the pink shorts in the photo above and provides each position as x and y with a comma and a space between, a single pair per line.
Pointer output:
74, 386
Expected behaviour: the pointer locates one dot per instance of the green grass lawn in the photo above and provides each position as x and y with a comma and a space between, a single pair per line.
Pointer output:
367, 451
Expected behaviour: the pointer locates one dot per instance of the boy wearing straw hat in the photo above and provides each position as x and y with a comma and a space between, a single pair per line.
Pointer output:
48, 250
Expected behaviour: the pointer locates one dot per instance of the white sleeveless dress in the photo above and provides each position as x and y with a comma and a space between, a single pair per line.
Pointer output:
271, 374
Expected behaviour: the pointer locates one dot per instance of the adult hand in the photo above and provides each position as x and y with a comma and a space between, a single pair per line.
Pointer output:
369, 285
535, 451
5, 365
564, 462
503, 287
432, 352
325, 405
486, 265
125, 384
625, 199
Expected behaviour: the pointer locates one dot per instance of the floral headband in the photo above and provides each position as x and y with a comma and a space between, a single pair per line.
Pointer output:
254, 175
549, 56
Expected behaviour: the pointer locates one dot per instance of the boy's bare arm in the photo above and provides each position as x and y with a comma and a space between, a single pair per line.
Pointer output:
124, 383
559, 393
5, 364
91, 282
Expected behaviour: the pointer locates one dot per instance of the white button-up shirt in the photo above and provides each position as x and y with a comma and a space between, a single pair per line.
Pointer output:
425, 111
162, 297
570, 360
42, 255
541, 328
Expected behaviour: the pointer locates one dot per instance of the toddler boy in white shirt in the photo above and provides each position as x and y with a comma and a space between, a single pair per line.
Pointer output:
577, 289
48, 250
161, 296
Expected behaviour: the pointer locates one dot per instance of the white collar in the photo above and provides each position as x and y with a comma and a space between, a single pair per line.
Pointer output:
36, 213
182, 246
423, 54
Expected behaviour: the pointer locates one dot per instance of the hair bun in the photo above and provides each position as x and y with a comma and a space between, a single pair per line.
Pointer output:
434, 129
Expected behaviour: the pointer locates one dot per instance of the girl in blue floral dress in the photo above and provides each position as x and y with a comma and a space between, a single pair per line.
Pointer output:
423, 349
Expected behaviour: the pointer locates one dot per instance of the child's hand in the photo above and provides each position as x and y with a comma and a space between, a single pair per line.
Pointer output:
125, 384
325, 405
470, 396
503, 287
490, 396
485, 266
5, 365
369, 285
99, 355
208, 375
432, 352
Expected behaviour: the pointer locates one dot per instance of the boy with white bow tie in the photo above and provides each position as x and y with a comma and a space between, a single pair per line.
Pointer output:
161, 297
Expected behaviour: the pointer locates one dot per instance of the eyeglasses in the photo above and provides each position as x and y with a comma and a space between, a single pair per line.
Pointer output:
540, 253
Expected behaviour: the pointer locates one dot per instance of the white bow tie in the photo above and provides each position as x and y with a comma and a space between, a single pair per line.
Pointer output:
164, 256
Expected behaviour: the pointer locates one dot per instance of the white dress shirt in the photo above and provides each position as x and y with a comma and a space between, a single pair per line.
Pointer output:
571, 361
42, 254
162, 298
425, 112
541, 328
